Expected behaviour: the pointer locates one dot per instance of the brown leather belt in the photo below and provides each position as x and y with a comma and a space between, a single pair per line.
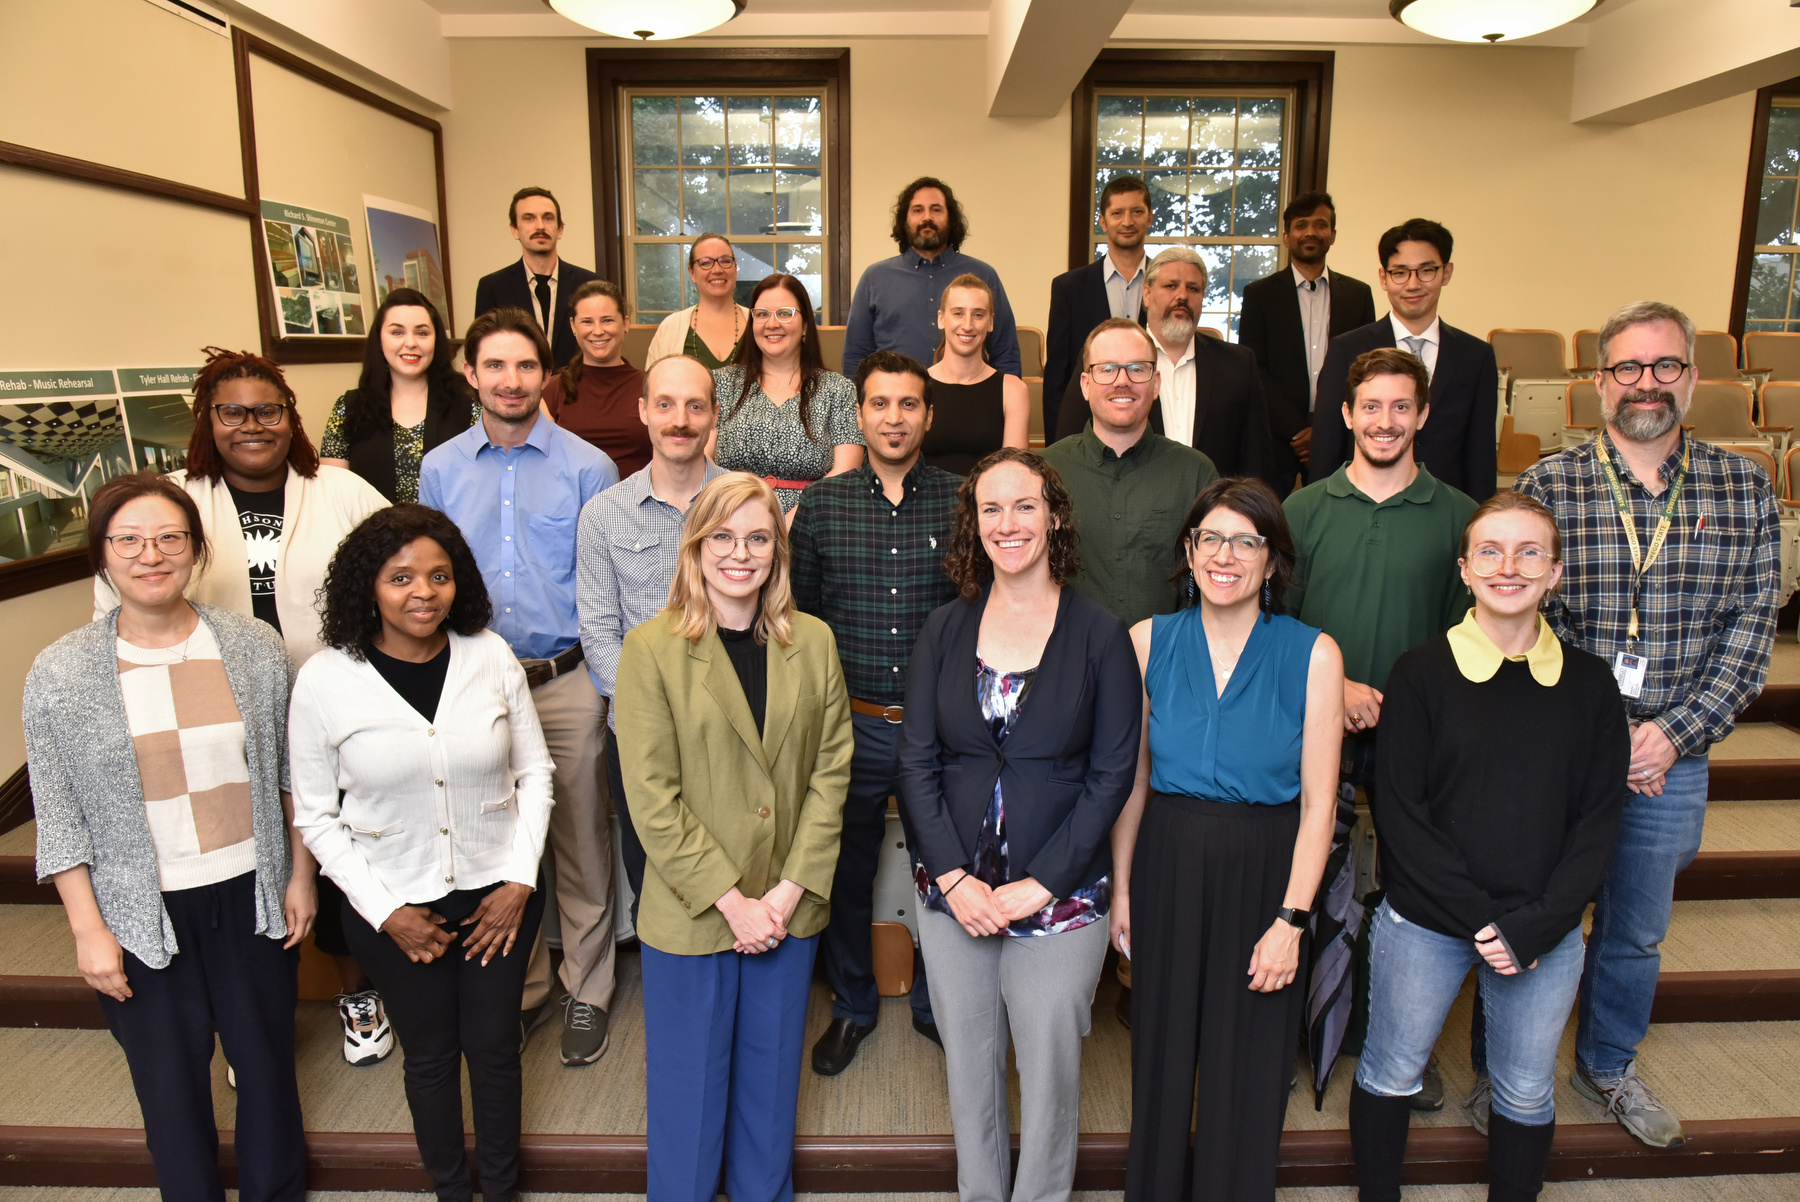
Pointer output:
892, 713
543, 671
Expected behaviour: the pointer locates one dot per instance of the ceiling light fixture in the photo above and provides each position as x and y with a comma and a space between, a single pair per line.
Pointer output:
649, 20
1486, 20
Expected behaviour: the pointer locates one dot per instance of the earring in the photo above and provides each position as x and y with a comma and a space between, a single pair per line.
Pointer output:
1268, 597
1193, 588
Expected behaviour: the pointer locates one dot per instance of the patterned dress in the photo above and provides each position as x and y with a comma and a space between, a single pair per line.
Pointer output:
1001, 696
409, 448
766, 439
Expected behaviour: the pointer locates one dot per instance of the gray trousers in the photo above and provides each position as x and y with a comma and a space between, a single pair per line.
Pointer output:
1041, 989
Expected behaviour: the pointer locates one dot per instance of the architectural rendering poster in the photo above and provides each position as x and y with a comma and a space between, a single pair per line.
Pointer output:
404, 248
318, 287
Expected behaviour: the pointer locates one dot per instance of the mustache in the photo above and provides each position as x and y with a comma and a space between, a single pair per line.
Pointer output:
1639, 396
681, 432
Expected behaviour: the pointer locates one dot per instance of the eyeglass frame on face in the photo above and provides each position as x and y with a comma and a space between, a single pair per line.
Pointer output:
185, 537
1112, 370
708, 263
1517, 559
1426, 273
1641, 368
766, 314
250, 410
714, 543
1258, 542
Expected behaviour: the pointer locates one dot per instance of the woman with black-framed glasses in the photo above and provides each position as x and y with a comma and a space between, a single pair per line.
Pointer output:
710, 329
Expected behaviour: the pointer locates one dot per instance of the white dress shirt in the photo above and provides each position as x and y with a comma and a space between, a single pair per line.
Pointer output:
1429, 352
1315, 325
1124, 297
531, 291
1176, 390
459, 801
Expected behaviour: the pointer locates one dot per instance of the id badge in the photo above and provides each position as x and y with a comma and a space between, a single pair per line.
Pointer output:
1628, 670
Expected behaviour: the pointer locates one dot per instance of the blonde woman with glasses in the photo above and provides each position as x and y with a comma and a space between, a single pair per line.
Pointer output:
735, 736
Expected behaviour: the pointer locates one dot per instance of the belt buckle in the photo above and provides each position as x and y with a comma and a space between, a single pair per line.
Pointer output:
893, 714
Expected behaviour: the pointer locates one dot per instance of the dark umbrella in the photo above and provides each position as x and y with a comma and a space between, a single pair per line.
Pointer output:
1336, 923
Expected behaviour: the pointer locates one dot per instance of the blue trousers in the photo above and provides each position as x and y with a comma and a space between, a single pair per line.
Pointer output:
724, 1037
1657, 839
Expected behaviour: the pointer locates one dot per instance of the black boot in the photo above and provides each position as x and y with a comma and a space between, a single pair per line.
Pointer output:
1378, 1128
1517, 1156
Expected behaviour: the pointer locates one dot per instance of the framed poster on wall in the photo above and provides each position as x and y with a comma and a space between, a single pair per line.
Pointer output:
312, 264
406, 250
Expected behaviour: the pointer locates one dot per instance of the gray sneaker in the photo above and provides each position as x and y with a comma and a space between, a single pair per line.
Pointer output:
1431, 1088
1634, 1104
1480, 1104
584, 1032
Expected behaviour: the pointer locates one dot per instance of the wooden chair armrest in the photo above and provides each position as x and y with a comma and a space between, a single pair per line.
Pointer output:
1776, 429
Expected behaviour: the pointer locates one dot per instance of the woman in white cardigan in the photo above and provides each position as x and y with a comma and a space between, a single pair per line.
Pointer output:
422, 785
710, 330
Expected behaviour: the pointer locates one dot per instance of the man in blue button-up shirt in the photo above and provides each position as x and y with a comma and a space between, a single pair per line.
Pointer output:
515, 483
896, 303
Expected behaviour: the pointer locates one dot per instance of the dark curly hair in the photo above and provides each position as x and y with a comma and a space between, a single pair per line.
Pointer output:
968, 563
1257, 503
350, 619
956, 225
203, 462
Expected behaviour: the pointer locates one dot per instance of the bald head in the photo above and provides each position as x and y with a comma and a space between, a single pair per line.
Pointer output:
677, 408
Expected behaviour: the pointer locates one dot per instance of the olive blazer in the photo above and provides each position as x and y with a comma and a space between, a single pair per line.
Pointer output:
714, 804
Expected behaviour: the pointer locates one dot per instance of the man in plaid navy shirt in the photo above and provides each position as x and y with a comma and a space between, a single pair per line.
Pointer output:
1703, 607
868, 560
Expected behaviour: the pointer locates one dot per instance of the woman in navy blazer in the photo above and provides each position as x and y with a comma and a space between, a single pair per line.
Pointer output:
1018, 751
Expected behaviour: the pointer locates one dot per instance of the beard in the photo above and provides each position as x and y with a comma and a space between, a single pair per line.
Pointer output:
1640, 425
927, 237
1308, 252
1377, 456
1177, 326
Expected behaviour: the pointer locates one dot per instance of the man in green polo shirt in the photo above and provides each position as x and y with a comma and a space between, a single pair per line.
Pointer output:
1376, 546
1131, 487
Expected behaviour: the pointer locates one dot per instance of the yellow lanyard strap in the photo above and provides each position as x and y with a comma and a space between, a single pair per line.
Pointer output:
1639, 561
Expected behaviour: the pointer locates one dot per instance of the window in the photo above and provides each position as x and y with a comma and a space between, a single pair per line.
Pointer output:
1771, 304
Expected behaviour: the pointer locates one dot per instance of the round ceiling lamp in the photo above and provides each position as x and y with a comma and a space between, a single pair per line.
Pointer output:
1486, 20
649, 20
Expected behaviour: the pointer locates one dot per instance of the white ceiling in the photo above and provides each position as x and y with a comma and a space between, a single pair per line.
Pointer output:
1236, 8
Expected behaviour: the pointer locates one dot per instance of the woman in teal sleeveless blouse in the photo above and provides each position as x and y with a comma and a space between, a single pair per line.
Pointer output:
1219, 852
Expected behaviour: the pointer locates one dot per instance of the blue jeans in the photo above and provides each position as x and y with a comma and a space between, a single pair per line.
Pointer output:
1414, 977
1657, 839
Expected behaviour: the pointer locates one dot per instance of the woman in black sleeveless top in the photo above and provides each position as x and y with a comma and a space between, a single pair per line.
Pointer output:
975, 409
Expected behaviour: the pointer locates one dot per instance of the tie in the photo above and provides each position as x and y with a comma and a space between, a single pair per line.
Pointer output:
1416, 346
543, 299
1311, 285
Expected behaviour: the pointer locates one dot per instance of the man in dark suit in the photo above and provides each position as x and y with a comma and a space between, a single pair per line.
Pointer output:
1288, 320
539, 283
1458, 443
1110, 286
1210, 394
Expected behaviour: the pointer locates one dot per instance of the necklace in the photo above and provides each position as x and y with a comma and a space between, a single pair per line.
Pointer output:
737, 324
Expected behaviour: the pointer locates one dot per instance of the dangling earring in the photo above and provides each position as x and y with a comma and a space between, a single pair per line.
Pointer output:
1193, 588
1268, 598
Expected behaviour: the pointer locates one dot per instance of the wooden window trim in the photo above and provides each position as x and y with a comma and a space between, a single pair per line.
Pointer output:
609, 71
1753, 177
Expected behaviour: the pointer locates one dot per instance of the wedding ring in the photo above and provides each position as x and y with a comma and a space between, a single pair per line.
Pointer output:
771, 943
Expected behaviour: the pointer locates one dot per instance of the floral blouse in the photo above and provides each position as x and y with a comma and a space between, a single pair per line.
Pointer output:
1001, 696
409, 447
766, 439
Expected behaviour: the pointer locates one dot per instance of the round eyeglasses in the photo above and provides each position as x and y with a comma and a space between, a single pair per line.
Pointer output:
1663, 371
1530, 563
759, 545
169, 544
1138, 371
235, 415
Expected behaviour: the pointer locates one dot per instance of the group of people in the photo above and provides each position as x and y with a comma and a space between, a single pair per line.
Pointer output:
382, 691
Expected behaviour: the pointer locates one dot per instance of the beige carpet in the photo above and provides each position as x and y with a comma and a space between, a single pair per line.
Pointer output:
1751, 826
19, 841
1784, 664
1758, 741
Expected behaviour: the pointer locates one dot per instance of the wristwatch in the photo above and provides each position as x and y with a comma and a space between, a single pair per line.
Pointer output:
1294, 918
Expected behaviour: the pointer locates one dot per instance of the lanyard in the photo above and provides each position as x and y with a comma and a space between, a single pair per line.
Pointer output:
1641, 562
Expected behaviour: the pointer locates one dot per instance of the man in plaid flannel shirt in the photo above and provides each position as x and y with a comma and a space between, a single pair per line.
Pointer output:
1703, 607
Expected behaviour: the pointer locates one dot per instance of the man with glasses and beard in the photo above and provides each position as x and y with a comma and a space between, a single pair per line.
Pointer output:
1209, 393
896, 303
1672, 576
1461, 443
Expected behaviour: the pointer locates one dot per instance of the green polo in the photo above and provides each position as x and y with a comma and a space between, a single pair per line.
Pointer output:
1128, 510
1379, 577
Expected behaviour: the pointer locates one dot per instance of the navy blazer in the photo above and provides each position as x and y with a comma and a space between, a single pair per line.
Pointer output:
1458, 442
507, 288
1066, 769
1078, 303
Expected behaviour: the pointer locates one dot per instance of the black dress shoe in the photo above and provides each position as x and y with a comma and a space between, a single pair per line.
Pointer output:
837, 1047
928, 1030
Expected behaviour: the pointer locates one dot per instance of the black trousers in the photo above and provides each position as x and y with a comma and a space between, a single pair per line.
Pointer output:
1206, 880
226, 978
631, 848
848, 949
446, 1012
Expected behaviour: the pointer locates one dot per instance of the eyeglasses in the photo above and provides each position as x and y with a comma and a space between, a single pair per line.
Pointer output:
781, 315
169, 544
1530, 563
1426, 274
1138, 372
707, 264
1210, 542
759, 545
234, 415
1663, 371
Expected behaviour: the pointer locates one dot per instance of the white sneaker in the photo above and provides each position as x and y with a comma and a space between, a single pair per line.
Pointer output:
367, 1036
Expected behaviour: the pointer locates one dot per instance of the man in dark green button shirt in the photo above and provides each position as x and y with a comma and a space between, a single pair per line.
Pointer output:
1131, 487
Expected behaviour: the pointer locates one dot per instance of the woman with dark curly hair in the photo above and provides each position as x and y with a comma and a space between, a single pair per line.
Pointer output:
422, 784
1016, 756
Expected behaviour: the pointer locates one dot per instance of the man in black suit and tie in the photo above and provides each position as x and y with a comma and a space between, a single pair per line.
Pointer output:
1210, 394
1458, 444
1288, 320
1110, 286
539, 283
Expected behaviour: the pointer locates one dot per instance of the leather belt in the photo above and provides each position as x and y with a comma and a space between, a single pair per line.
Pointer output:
543, 671
782, 482
892, 713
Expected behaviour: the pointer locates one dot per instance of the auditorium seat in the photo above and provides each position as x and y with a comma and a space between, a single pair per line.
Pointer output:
1587, 350
1716, 356
1725, 412
1581, 412
831, 346
1031, 350
1530, 354
1757, 455
1034, 385
1534, 377
1780, 412
637, 344
1777, 354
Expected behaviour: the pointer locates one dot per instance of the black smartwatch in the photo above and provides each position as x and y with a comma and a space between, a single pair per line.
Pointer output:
1294, 918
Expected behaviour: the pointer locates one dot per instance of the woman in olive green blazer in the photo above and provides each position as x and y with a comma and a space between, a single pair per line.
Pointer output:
735, 745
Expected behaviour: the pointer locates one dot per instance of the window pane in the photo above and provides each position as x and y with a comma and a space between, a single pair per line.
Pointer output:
1258, 193
703, 202
1218, 277
1166, 131
1249, 264
1168, 202
755, 260
1119, 134
1259, 133
1775, 220
1784, 142
656, 195
702, 131
752, 202
1100, 181
653, 131
659, 277
748, 125
1210, 208
805, 261
797, 138
1769, 282
1215, 120
799, 202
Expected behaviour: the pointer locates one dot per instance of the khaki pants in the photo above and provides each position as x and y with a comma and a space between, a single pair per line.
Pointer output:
578, 862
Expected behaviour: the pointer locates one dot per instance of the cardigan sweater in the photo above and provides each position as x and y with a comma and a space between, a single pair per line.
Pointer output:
89, 797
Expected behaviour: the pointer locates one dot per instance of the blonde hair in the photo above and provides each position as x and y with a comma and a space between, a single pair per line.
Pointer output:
967, 279
690, 612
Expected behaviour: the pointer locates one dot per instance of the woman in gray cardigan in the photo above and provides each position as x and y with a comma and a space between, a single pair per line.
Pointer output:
156, 740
